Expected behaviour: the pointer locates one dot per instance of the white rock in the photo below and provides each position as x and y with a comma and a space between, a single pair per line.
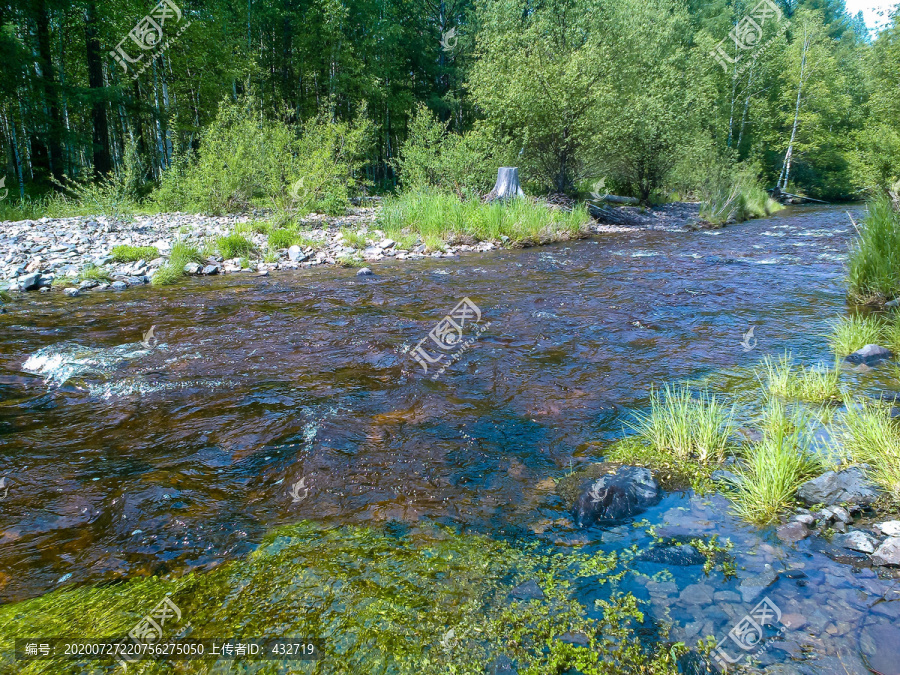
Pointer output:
889, 529
888, 554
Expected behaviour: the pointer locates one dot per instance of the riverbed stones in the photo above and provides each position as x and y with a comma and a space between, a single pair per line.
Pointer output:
29, 282
118, 285
676, 555
209, 270
870, 355
295, 254
856, 540
616, 496
527, 591
888, 554
839, 487
753, 586
71, 292
192, 268
889, 529
793, 532
365, 272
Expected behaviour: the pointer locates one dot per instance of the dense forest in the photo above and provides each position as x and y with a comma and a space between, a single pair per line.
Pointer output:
655, 97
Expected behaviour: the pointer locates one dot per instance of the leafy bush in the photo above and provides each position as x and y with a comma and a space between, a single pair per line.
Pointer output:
244, 156
126, 253
874, 264
433, 158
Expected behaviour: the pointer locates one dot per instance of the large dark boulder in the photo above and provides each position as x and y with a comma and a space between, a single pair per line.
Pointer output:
616, 496
849, 486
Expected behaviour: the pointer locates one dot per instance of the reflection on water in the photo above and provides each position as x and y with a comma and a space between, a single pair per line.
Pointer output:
124, 460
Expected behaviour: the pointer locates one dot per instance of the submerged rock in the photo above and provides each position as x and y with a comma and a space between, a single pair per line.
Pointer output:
888, 554
857, 540
527, 591
752, 587
847, 486
793, 532
679, 555
365, 272
869, 355
616, 496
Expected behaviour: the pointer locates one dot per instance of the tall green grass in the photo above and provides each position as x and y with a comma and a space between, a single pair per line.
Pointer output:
774, 469
687, 427
126, 253
446, 217
873, 438
874, 266
173, 270
785, 380
234, 246
850, 333
738, 202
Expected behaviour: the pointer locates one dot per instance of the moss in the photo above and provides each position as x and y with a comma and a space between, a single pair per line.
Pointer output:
133, 253
427, 600
669, 470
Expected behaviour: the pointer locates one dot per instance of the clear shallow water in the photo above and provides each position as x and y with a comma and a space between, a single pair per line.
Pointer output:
124, 460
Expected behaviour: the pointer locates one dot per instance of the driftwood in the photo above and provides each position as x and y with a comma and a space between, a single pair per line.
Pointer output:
507, 186
615, 199
607, 214
778, 195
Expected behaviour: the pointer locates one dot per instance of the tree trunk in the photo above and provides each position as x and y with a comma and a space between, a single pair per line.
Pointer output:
102, 164
788, 156
51, 93
507, 186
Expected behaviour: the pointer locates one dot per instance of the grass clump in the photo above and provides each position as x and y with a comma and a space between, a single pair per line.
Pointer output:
234, 246
173, 270
91, 272
784, 380
281, 238
873, 438
691, 429
736, 200
126, 253
873, 274
774, 469
850, 333
444, 217
354, 238
421, 601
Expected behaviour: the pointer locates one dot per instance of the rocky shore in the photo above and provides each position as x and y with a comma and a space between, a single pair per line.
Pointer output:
37, 255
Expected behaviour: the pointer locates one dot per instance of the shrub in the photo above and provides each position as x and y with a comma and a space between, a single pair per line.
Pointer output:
126, 253
874, 264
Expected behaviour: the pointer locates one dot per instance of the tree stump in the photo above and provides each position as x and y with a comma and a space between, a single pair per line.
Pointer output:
507, 186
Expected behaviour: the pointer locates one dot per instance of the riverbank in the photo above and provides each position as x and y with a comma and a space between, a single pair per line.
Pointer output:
79, 253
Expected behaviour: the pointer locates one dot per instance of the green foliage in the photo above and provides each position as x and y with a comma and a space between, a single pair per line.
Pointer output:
245, 156
126, 253
444, 217
282, 238
173, 270
433, 158
354, 238
689, 428
774, 469
93, 273
853, 332
874, 265
784, 380
873, 438
234, 246
734, 194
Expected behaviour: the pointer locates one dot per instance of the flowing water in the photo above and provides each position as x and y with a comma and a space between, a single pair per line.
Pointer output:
125, 459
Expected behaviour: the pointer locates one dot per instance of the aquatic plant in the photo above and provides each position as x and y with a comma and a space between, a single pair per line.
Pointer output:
126, 253
690, 428
785, 380
873, 269
426, 600
853, 332
773, 469
871, 437
173, 270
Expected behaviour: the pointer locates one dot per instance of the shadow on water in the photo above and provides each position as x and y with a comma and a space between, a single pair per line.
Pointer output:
124, 460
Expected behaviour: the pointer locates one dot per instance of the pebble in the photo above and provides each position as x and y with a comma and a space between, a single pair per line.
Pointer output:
72, 292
